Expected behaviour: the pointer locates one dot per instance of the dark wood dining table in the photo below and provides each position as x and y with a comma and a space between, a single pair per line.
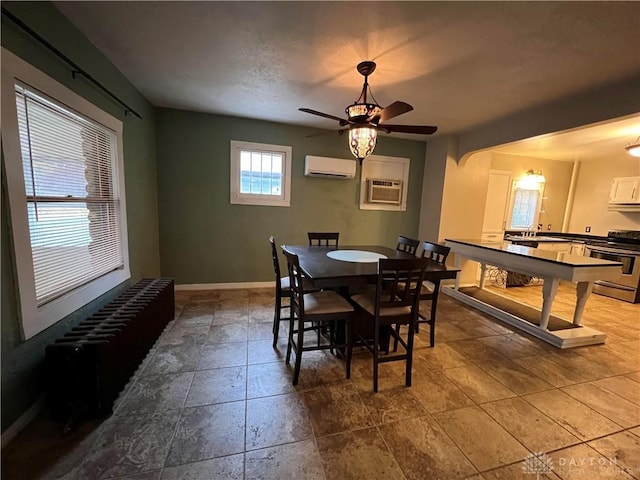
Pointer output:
326, 272
349, 277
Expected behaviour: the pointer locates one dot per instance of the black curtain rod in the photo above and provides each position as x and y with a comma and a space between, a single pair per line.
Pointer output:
77, 70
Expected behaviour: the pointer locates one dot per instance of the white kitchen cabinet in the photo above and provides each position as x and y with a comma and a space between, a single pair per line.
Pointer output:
495, 209
555, 246
576, 248
625, 191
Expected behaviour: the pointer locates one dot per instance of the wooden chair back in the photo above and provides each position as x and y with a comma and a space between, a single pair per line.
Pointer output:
435, 252
406, 244
324, 239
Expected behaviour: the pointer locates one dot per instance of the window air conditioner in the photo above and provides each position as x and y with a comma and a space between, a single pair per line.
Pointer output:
329, 167
384, 191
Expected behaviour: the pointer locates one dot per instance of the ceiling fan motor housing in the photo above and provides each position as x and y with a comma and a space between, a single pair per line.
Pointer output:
362, 112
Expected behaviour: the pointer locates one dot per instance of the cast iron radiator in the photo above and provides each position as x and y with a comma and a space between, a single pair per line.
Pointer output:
89, 366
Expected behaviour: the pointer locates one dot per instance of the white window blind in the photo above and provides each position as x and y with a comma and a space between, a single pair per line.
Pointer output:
70, 175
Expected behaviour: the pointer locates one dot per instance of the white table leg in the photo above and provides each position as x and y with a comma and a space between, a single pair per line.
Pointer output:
583, 291
456, 263
549, 290
483, 271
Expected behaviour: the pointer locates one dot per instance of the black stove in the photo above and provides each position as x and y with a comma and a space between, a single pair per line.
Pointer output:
620, 239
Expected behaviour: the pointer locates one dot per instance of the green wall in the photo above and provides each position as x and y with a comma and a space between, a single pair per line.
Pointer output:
22, 381
205, 239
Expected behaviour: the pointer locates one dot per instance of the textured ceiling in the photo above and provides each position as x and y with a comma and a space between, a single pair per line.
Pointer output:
460, 64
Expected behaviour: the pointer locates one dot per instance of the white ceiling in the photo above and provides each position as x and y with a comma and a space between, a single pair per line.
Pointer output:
460, 64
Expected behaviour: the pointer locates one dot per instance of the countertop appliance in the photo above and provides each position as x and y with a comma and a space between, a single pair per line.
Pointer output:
620, 246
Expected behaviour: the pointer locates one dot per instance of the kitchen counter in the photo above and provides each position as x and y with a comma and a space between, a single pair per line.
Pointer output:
551, 267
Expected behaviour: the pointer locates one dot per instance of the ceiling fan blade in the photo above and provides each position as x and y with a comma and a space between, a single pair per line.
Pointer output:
393, 110
418, 129
325, 115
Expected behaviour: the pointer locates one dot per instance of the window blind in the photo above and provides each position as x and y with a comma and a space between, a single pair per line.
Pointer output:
69, 164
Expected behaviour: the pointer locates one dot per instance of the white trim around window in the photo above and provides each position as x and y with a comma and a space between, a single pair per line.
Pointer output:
260, 174
39, 314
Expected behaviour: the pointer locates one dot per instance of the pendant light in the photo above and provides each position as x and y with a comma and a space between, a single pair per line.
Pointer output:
362, 141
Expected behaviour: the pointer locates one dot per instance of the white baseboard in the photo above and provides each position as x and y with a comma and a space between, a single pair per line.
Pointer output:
25, 419
225, 286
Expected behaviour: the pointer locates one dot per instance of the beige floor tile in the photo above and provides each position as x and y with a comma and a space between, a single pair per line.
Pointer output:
223, 468
622, 448
635, 376
437, 393
276, 420
531, 427
623, 386
521, 471
300, 460
262, 351
396, 402
582, 421
508, 345
208, 431
357, 455
223, 355
477, 384
582, 462
476, 351
232, 332
515, 377
555, 374
266, 379
612, 406
438, 358
424, 450
335, 409
481, 438
217, 386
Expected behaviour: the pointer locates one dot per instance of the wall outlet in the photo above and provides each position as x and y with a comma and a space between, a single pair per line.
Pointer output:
548, 226
587, 229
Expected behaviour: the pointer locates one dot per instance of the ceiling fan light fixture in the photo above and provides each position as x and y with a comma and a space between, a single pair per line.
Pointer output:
362, 110
362, 141
633, 148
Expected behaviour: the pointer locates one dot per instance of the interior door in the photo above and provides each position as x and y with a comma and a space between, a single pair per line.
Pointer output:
495, 209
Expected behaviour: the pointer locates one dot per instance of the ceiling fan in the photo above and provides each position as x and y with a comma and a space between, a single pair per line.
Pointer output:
365, 117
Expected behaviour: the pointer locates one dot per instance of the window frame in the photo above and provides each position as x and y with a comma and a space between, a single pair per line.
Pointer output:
238, 198
33, 318
537, 211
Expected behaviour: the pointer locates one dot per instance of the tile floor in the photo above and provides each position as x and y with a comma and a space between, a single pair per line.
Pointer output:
213, 400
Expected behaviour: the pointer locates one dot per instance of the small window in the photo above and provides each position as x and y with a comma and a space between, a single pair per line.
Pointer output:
525, 206
260, 174
525, 203
63, 159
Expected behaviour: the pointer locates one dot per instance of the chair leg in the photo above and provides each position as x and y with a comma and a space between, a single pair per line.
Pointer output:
432, 325
349, 346
300, 343
276, 320
376, 337
290, 336
409, 359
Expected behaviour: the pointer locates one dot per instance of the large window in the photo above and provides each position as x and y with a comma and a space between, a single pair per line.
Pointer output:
260, 174
65, 181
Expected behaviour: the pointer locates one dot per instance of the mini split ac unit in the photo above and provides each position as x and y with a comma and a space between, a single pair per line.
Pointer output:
384, 191
329, 167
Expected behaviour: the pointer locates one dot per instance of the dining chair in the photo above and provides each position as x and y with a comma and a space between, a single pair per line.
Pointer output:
434, 253
406, 244
314, 312
325, 239
283, 290
394, 302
